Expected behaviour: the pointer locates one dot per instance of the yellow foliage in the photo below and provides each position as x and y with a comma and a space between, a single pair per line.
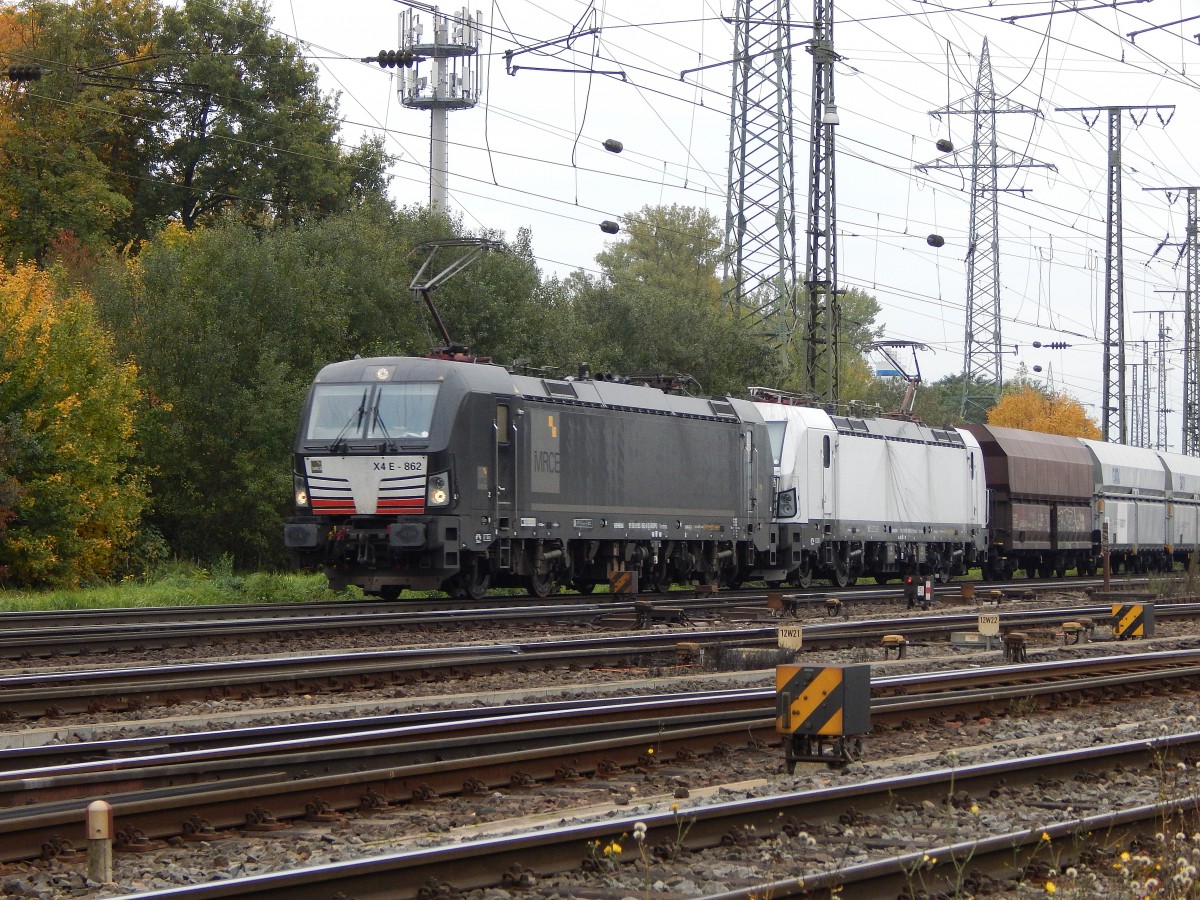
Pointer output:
1050, 413
73, 404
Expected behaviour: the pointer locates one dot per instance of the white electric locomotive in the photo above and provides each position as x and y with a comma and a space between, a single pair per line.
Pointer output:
883, 498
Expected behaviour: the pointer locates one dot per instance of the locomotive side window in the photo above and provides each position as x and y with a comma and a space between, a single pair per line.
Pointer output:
776, 430
337, 411
502, 435
825, 450
403, 411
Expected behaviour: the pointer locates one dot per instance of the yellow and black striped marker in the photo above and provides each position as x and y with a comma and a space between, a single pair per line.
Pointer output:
823, 701
1132, 620
623, 583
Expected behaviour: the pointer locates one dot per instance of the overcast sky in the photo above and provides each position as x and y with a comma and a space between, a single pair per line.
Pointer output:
530, 155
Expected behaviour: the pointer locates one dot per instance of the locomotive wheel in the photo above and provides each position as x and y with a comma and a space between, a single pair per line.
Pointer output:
882, 579
841, 574
804, 575
583, 587
942, 571
475, 579
541, 584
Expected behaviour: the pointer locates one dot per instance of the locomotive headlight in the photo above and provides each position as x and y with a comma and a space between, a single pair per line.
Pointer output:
438, 493
300, 490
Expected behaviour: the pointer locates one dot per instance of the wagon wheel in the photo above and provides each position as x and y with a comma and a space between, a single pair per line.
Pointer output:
583, 585
882, 578
475, 578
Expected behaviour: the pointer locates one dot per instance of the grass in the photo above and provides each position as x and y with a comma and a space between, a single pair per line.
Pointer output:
181, 585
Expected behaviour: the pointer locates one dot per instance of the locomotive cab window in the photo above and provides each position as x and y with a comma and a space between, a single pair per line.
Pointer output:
337, 411
776, 431
403, 411
355, 411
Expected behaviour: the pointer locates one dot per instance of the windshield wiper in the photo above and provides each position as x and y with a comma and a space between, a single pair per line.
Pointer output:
378, 420
339, 442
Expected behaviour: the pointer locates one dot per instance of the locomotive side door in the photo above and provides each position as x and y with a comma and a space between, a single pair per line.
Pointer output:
503, 487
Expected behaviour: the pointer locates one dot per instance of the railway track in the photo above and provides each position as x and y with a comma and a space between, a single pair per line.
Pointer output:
58, 633
679, 835
52, 695
201, 785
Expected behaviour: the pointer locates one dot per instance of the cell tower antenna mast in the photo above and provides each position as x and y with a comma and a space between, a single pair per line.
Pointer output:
452, 82
983, 367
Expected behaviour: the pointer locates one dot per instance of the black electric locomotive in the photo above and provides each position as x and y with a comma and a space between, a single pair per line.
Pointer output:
428, 473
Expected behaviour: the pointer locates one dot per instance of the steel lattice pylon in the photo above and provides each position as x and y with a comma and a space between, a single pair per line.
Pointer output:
1114, 416
821, 357
983, 364
1190, 249
1114, 295
760, 217
1191, 335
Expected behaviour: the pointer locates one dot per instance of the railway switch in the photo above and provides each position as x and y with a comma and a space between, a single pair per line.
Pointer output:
822, 712
895, 642
781, 604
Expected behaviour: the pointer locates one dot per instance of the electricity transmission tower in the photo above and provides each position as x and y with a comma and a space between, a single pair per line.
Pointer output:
1161, 408
1191, 327
760, 215
821, 355
1114, 427
983, 367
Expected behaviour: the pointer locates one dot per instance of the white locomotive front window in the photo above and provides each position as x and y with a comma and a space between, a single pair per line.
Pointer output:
403, 411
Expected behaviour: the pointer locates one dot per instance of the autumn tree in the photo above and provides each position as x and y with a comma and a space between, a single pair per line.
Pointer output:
1026, 405
67, 408
151, 111
74, 150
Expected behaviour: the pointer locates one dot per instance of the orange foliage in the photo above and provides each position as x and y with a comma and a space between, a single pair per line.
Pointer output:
1050, 413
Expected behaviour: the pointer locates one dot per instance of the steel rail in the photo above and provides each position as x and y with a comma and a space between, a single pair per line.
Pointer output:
56, 693
484, 863
486, 747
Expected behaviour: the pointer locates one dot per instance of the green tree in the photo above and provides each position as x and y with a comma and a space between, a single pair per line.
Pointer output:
229, 324
72, 150
247, 127
68, 410
657, 308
